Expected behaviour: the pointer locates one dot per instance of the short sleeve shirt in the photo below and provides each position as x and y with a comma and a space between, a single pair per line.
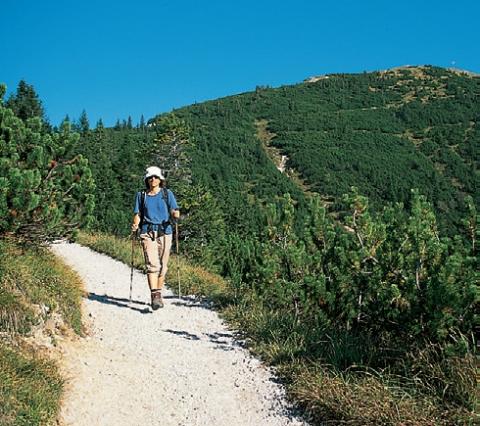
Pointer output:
156, 212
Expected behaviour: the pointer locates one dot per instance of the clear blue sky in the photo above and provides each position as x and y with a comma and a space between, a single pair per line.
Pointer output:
120, 58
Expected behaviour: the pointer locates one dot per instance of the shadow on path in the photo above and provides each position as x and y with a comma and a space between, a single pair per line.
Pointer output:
191, 302
183, 334
120, 302
223, 341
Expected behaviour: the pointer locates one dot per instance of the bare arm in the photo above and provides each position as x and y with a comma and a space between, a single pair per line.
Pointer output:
135, 222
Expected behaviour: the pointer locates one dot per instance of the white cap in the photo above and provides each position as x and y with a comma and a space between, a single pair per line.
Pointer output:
153, 171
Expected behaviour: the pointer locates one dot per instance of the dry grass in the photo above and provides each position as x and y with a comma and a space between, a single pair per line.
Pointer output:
266, 137
263, 133
30, 388
35, 284
362, 398
36, 289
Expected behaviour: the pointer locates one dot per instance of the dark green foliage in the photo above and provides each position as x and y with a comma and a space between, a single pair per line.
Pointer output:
383, 132
83, 124
118, 158
45, 191
388, 275
25, 103
202, 226
233, 164
381, 291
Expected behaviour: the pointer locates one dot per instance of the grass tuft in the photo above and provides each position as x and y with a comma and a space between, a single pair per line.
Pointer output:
35, 280
30, 388
34, 286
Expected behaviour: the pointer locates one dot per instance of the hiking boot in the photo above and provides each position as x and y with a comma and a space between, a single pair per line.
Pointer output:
157, 301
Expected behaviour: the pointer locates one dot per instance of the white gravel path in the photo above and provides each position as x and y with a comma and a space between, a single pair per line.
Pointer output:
179, 365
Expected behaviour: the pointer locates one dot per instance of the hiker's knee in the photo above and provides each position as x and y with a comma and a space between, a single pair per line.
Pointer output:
163, 271
153, 268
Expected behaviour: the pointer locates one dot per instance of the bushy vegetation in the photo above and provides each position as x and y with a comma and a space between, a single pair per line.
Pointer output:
390, 275
46, 192
118, 158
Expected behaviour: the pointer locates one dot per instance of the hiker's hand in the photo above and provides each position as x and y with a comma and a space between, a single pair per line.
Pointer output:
176, 214
134, 227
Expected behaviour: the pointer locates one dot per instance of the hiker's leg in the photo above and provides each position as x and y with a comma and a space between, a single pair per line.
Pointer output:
152, 262
164, 246
152, 281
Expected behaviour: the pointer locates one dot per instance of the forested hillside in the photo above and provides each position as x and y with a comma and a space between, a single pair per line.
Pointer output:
383, 132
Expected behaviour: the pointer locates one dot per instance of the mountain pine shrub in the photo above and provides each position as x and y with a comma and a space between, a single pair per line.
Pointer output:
45, 191
390, 275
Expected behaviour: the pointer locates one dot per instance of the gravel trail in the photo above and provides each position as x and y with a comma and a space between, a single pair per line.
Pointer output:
179, 365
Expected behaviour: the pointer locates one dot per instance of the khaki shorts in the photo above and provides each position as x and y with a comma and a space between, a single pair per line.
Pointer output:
156, 251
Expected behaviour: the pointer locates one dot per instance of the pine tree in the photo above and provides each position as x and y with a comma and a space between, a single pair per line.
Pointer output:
45, 191
25, 102
172, 139
83, 123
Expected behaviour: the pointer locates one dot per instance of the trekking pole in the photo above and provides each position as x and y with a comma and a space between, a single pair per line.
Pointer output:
131, 270
178, 258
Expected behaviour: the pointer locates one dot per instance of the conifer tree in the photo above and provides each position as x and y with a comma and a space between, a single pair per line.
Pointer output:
25, 102
83, 123
173, 138
203, 224
45, 191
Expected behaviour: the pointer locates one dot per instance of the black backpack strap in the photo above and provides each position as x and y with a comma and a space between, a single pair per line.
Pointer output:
143, 195
167, 202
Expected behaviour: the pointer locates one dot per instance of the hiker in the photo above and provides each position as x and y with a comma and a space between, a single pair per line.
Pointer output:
153, 213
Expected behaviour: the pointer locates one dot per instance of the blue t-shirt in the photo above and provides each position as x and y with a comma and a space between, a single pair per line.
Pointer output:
156, 211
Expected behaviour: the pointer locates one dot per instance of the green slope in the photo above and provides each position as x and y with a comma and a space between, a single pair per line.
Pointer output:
384, 132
